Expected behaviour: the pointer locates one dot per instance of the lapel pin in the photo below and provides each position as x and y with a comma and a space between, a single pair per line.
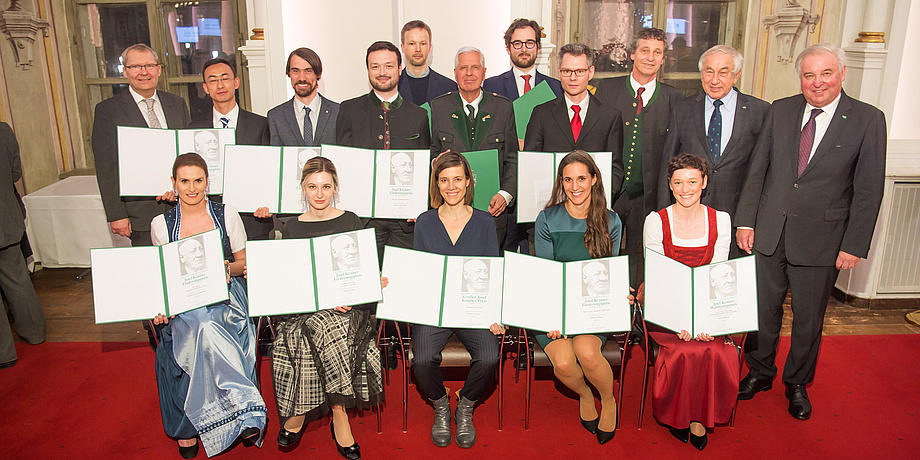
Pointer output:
844, 117
454, 115
743, 106
486, 117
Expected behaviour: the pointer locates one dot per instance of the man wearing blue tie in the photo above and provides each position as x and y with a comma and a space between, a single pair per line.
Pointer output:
307, 119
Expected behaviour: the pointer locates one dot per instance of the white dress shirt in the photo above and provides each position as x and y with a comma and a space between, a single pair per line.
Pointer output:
649, 89
314, 112
583, 113
233, 115
822, 121
142, 106
520, 81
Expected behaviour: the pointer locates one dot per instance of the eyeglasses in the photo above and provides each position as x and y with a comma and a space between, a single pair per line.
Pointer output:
138, 67
530, 44
569, 72
223, 78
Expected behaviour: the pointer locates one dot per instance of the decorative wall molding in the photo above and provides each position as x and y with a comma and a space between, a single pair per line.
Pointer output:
21, 27
788, 25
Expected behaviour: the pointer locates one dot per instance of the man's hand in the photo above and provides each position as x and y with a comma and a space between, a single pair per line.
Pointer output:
262, 212
121, 227
846, 261
497, 205
745, 237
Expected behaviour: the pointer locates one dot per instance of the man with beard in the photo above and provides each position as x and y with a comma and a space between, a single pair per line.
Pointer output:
522, 41
305, 120
419, 83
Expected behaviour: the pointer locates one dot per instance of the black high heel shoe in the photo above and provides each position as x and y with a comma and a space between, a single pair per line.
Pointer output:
250, 435
352, 452
289, 438
699, 442
590, 425
603, 437
681, 435
190, 451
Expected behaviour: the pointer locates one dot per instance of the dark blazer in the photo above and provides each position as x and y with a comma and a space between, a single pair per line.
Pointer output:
494, 130
437, 85
121, 110
360, 124
616, 92
550, 130
505, 85
834, 204
11, 220
284, 129
687, 134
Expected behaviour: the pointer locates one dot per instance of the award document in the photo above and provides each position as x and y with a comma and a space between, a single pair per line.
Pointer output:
260, 176
537, 173
443, 291
140, 283
716, 299
524, 105
146, 156
306, 275
580, 297
484, 164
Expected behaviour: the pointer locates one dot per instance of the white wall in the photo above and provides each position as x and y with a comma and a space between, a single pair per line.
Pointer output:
904, 50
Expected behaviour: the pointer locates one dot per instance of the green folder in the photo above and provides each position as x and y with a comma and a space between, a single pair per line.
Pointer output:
524, 105
486, 184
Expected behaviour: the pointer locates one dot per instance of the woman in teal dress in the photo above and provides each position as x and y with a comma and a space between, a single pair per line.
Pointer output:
576, 225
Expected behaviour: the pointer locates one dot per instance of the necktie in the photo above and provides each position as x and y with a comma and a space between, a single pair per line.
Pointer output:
471, 118
527, 86
152, 120
807, 140
715, 131
224, 121
576, 122
307, 127
639, 99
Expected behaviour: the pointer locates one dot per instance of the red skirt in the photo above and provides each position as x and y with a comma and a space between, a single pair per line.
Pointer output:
694, 381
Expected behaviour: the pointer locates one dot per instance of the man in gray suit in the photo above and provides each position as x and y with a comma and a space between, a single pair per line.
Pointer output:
141, 105
14, 276
721, 125
811, 197
308, 119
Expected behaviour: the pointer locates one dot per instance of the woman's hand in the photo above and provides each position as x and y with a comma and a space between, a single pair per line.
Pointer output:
227, 266
631, 298
704, 337
262, 212
160, 319
168, 195
553, 335
685, 336
497, 329
384, 281
244, 272
640, 296
343, 309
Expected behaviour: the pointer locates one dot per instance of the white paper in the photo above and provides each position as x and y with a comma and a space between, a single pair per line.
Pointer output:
596, 291
346, 269
413, 292
472, 292
251, 177
355, 169
532, 292
195, 272
127, 284
668, 292
209, 143
725, 297
280, 277
401, 190
293, 160
145, 159
536, 173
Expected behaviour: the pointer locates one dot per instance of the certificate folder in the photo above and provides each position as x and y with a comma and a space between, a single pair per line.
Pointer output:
310, 274
442, 291
146, 156
537, 173
716, 299
484, 164
580, 297
524, 105
140, 283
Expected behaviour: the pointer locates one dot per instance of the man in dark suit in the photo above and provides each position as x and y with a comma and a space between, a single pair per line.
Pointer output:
522, 42
811, 197
419, 83
308, 119
721, 125
221, 83
472, 119
14, 276
645, 104
141, 105
554, 124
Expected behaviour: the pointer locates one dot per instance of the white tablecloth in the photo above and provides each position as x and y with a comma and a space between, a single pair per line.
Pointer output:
65, 220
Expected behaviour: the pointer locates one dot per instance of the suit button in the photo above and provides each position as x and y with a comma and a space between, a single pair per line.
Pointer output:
444, 138
496, 139
715, 171
380, 137
381, 117
796, 185
784, 213
627, 123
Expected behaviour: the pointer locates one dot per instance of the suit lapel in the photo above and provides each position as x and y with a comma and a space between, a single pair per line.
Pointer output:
740, 123
457, 118
793, 126
483, 121
322, 120
699, 121
132, 111
837, 127
589, 121
561, 116
511, 85
291, 122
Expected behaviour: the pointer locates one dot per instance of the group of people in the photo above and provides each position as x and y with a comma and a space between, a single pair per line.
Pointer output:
692, 178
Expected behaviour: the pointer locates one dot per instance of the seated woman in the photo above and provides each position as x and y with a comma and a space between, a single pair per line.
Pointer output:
325, 359
206, 358
454, 228
696, 378
576, 225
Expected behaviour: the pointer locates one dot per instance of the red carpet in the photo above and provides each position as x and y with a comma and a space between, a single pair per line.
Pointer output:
98, 400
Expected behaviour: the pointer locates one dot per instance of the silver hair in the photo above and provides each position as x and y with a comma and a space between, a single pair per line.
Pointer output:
469, 49
819, 48
139, 47
737, 58
578, 49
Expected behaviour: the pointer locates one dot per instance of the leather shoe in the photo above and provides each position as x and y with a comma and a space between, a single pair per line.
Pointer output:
751, 385
603, 437
289, 438
699, 442
681, 435
590, 425
352, 452
799, 405
8, 364
190, 451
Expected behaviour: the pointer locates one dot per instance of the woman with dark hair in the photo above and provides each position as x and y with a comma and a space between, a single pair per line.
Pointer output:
454, 228
576, 225
206, 358
696, 378
324, 360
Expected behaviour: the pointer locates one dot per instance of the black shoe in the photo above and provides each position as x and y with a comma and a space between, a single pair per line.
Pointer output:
250, 435
352, 452
699, 442
521, 362
590, 425
190, 451
751, 385
391, 357
603, 437
8, 364
799, 405
681, 435
289, 438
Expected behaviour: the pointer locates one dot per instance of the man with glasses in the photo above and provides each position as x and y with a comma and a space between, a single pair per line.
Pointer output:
419, 83
142, 105
577, 120
308, 118
522, 41
221, 83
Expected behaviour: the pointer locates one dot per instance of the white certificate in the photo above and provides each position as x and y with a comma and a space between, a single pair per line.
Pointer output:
472, 292
355, 169
292, 161
716, 299
209, 143
346, 269
401, 184
280, 277
252, 177
145, 159
139, 283
537, 173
